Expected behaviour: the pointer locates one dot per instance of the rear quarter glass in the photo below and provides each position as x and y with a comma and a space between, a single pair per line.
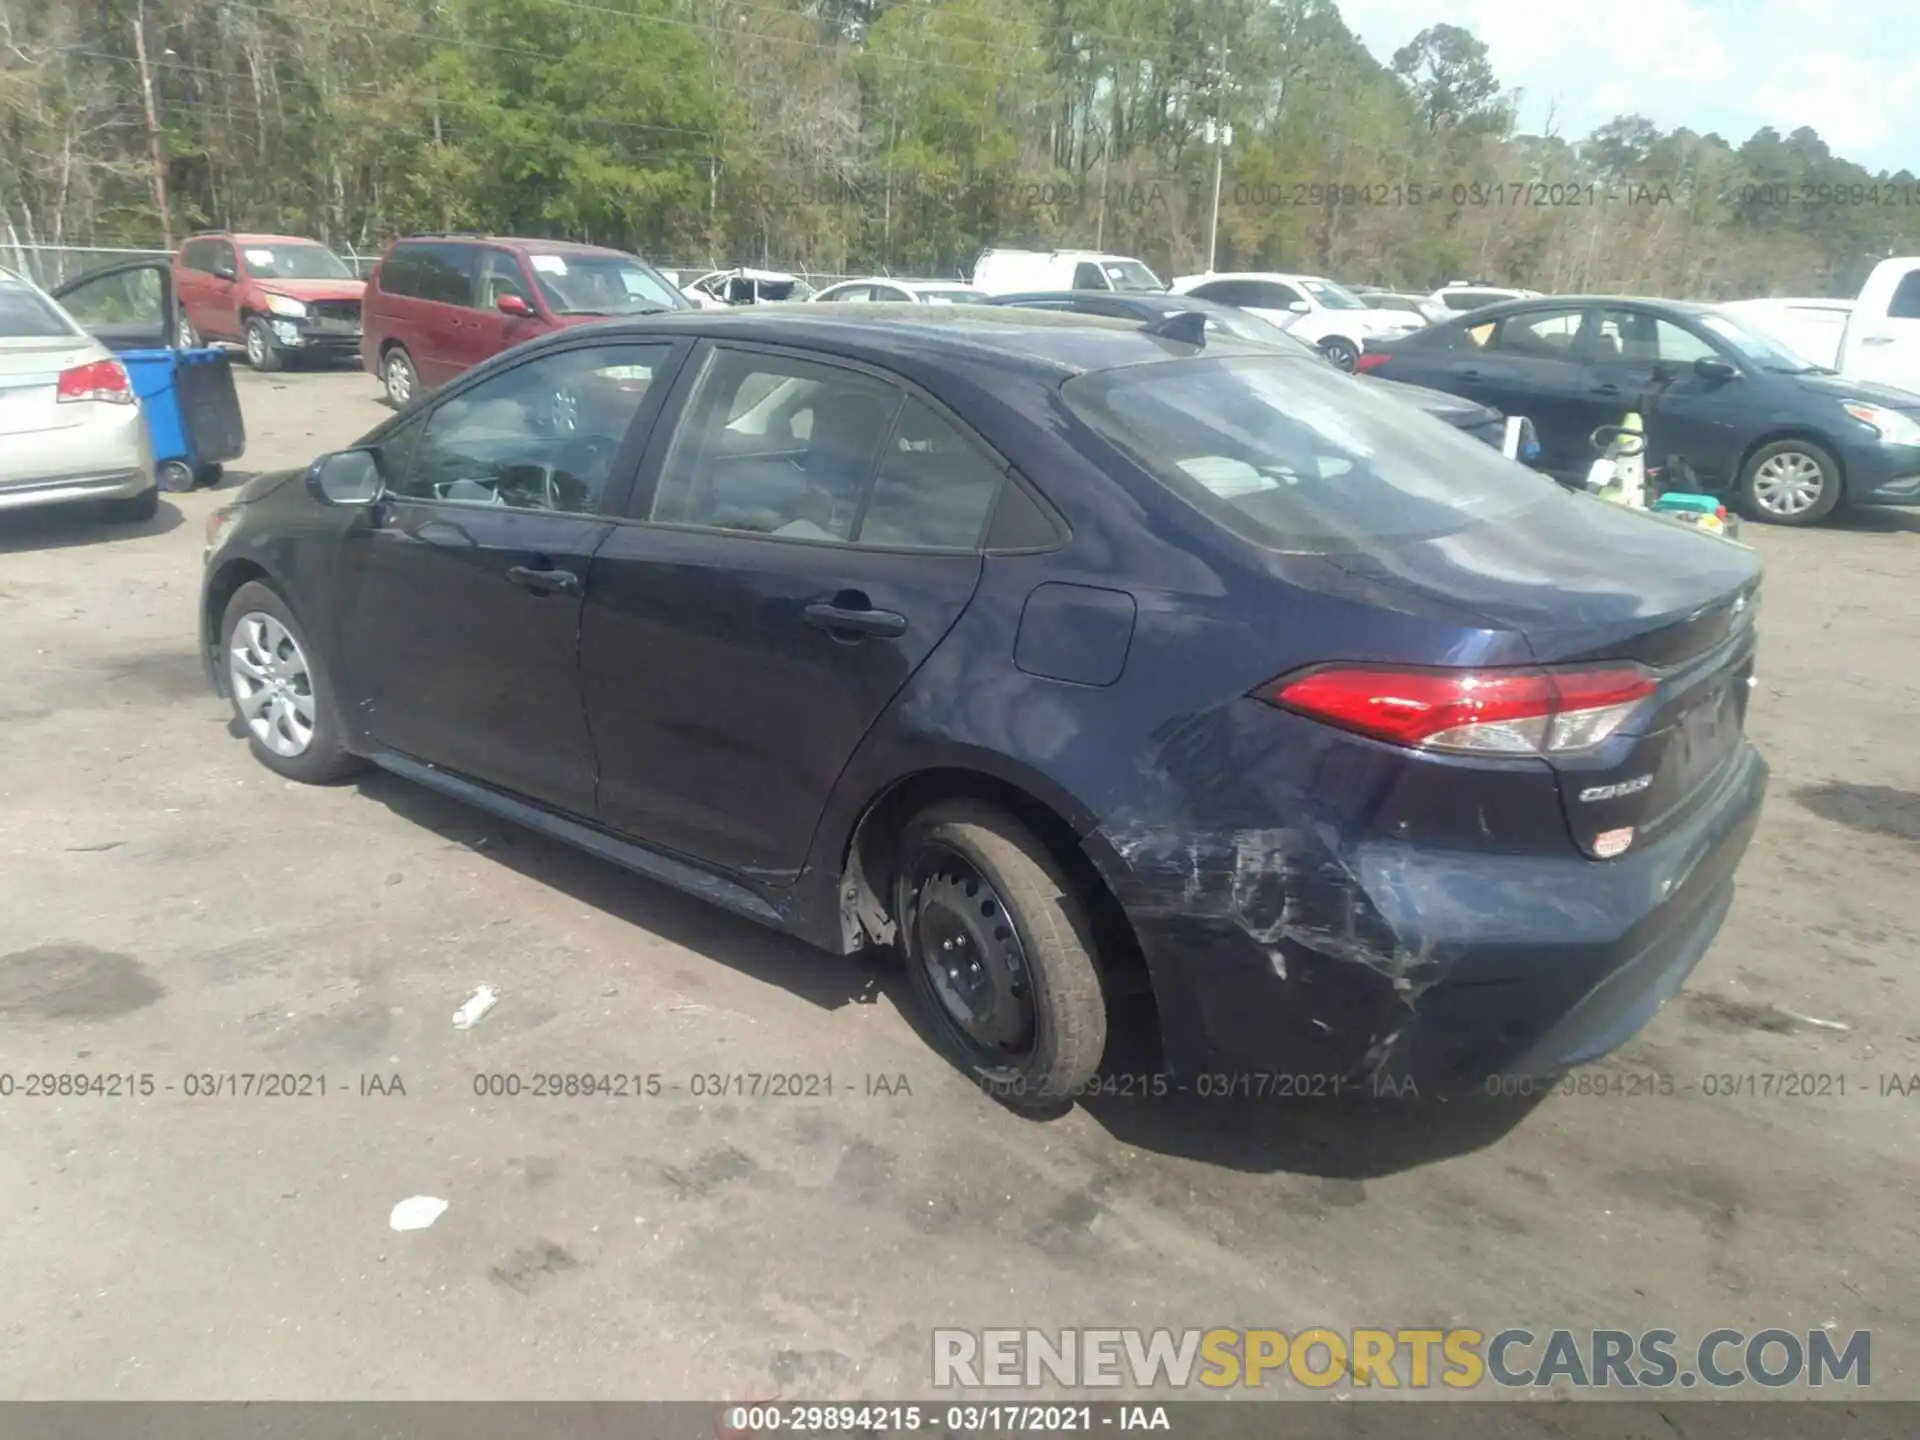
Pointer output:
1300, 459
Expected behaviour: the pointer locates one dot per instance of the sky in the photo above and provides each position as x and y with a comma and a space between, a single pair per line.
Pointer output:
1850, 69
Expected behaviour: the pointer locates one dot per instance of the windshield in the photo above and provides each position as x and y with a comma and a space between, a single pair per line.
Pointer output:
1130, 275
1293, 455
603, 285
24, 315
294, 262
1332, 296
1756, 348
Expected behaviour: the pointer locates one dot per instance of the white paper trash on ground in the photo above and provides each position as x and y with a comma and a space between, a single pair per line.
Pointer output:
478, 1004
417, 1212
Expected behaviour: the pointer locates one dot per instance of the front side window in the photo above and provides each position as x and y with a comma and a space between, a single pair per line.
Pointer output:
500, 275
294, 262
1131, 275
771, 445
541, 436
1905, 304
1088, 276
1291, 455
1642, 339
1272, 295
446, 273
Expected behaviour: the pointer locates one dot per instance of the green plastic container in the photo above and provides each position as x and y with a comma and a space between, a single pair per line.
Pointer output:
1681, 500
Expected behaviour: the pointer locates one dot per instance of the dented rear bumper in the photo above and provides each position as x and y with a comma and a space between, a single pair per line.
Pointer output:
1291, 950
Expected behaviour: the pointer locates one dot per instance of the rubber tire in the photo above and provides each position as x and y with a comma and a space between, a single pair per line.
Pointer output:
1830, 496
398, 355
1342, 354
326, 759
272, 359
1054, 930
132, 509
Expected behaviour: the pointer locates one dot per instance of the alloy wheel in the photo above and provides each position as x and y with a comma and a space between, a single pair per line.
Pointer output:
1789, 483
272, 684
399, 376
968, 945
256, 346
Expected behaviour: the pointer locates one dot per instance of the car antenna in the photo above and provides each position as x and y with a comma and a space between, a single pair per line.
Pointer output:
1189, 327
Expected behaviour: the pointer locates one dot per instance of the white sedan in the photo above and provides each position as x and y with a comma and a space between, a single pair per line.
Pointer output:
1326, 315
71, 430
913, 292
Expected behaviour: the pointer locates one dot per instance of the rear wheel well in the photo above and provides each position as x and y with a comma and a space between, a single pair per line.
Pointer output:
866, 886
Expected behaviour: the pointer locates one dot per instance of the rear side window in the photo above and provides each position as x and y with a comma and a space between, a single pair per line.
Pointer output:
776, 446
1291, 455
447, 273
1538, 335
194, 256
1905, 304
400, 272
25, 316
935, 488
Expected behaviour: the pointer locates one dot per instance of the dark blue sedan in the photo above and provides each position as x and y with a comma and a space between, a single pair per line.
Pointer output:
1790, 441
1064, 658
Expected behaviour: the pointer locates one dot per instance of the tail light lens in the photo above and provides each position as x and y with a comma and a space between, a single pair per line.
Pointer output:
1373, 359
1473, 712
104, 380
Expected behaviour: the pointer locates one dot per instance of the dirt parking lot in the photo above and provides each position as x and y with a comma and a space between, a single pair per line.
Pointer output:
168, 907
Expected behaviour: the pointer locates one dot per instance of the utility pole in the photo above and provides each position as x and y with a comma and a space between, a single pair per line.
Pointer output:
153, 126
1220, 137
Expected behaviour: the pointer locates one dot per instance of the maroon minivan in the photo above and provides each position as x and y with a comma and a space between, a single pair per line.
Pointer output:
440, 304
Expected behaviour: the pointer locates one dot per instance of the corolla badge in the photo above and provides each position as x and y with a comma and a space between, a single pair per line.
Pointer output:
1615, 791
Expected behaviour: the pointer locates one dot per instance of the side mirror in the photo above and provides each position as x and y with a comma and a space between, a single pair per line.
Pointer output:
1712, 367
511, 304
347, 477
1299, 307
223, 270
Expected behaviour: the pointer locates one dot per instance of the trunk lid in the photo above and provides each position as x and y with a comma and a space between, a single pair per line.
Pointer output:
1580, 582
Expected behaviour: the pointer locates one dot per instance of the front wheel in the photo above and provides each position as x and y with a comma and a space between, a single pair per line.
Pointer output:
280, 694
1343, 353
999, 954
262, 354
1790, 482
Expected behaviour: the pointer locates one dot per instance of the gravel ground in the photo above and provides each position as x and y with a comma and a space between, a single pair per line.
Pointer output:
168, 907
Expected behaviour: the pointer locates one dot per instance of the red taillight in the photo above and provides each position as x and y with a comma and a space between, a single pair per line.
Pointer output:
1720, 511
1501, 712
1373, 360
101, 380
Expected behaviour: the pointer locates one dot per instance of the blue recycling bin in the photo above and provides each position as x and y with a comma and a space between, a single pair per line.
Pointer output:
192, 412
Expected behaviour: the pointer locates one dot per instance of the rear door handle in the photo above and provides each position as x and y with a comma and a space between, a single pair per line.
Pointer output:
1877, 340
542, 582
1469, 374
884, 623
1608, 389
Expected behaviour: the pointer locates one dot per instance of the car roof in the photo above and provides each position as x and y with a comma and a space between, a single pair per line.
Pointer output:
1043, 343
904, 284
248, 237
1290, 277
1572, 302
515, 242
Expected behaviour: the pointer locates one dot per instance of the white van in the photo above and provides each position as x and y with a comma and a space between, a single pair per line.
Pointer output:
1813, 328
1882, 339
1012, 272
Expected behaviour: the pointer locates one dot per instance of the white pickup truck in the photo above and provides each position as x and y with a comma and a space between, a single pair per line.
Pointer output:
1873, 338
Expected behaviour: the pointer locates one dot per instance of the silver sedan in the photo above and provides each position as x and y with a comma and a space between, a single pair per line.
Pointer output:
71, 430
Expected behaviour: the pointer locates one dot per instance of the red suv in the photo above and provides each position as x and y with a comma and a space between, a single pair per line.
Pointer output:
279, 295
440, 304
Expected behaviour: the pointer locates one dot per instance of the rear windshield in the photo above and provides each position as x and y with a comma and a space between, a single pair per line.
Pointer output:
25, 316
1295, 456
